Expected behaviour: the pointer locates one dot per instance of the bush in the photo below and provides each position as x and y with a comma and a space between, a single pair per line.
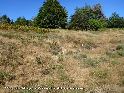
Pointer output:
120, 47
4, 76
95, 24
23, 28
89, 62
101, 74
119, 52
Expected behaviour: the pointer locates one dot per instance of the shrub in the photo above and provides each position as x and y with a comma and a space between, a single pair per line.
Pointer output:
45, 71
89, 62
23, 28
55, 48
95, 24
120, 47
119, 52
4, 76
102, 74
89, 45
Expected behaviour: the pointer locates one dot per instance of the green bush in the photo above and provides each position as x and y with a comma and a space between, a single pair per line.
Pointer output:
23, 28
95, 24
99, 73
4, 76
119, 52
120, 47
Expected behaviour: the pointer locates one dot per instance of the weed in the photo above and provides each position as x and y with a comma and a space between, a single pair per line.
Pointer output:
61, 57
120, 53
122, 82
89, 45
120, 47
112, 54
80, 56
39, 60
7, 35
101, 74
58, 67
115, 41
121, 73
30, 83
45, 71
91, 62
114, 62
104, 59
64, 77
55, 48
4, 76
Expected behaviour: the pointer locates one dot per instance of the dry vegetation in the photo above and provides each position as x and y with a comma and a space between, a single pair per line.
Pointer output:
92, 60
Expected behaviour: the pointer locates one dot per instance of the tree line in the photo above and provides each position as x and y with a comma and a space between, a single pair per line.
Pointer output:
53, 15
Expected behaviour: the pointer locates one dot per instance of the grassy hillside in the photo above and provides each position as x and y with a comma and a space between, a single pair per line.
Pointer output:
90, 60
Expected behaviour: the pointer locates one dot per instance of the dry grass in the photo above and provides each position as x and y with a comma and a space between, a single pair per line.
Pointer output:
94, 61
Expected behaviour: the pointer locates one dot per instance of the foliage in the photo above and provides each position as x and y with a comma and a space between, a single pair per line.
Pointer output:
100, 73
83, 15
119, 52
23, 28
89, 62
87, 18
4, 76
95, 24
120, 47
21, 21
51, 15
4, 19
115, 21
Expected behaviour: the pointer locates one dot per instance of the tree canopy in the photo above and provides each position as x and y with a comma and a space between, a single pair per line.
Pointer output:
21, 21
51, 15
5, 19
87, 18
115, 21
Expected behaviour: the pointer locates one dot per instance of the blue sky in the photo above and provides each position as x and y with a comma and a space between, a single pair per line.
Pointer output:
30, 8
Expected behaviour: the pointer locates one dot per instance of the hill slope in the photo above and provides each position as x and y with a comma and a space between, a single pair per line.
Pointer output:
90, 60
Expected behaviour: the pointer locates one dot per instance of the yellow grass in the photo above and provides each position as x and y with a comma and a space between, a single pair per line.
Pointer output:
62, 58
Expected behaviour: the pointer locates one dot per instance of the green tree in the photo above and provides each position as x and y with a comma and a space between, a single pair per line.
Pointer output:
85, 18
5, 19
51, 15
29, 22
80, 18
97, 11
115, 21
21, 21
